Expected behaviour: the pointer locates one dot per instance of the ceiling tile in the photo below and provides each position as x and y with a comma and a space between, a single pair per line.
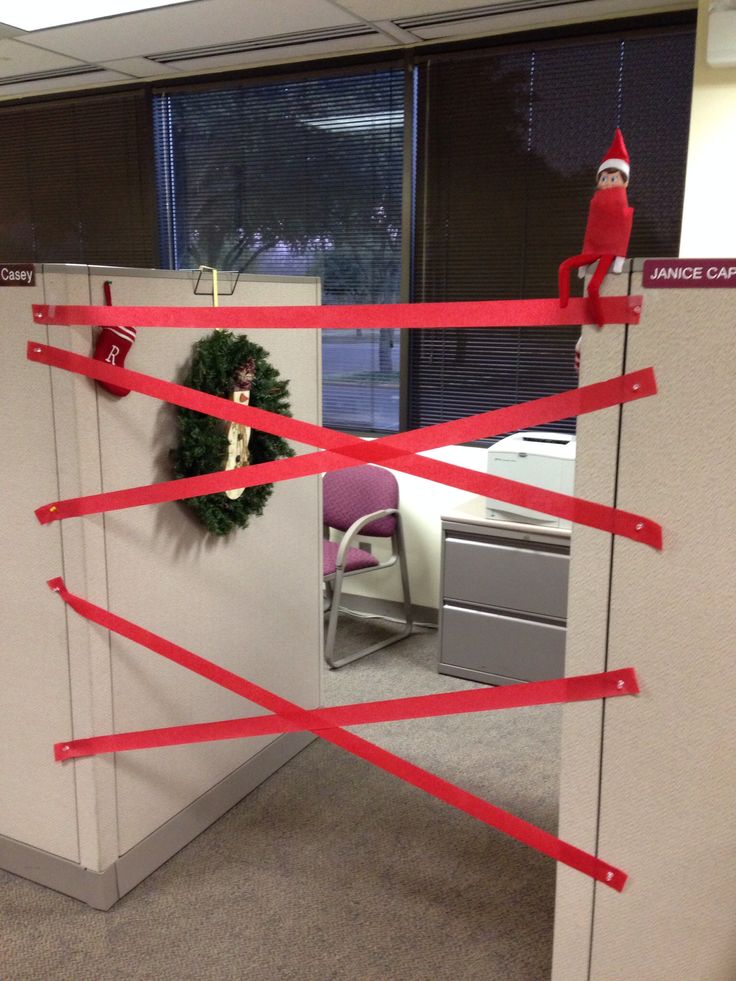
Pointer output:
6, 30
190, 25
43, 86
278, 55
139, 67
395, 32
531, 19
17, 58
391, 9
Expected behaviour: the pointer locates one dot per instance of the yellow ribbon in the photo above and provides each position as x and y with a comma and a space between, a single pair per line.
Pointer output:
215, 301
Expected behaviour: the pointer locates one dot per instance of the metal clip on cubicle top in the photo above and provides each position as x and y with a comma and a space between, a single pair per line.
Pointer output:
216, 290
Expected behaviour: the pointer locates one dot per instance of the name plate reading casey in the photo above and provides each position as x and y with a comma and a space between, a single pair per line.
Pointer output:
689, 273
17, 274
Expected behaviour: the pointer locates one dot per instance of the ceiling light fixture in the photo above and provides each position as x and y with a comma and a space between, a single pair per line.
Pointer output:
38, 16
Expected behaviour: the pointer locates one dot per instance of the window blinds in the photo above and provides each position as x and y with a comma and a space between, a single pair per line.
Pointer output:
78, 181
297, 176
509, 142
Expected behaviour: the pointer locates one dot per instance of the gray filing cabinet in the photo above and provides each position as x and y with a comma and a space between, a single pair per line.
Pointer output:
504, 598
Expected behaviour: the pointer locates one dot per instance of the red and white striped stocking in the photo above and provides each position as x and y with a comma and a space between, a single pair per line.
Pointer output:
113, 344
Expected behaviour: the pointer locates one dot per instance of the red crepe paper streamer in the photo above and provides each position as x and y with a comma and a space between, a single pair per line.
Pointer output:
581, 688
347, 451
424, 316
321, 725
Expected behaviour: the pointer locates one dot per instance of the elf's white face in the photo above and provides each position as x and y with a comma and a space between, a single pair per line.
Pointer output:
610, 178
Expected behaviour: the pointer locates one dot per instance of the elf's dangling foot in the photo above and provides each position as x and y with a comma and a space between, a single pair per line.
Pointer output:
113, 344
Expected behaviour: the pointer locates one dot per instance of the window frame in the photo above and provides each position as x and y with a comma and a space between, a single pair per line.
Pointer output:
683, 22
411, 59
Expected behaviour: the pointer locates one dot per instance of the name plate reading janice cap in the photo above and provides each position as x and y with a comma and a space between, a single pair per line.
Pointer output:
689, 273
17, 274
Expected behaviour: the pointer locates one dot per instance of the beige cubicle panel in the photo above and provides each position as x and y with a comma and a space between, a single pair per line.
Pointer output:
34, 661
648, 783
249, 601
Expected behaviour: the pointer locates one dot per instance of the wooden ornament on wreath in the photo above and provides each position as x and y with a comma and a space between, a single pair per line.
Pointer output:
220, 363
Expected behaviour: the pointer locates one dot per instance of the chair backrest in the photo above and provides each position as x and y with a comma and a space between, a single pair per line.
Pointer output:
351, 493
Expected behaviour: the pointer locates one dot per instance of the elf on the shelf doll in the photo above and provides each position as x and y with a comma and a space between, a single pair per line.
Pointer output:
608, 230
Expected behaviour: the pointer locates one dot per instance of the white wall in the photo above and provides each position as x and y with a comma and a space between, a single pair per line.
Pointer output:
709, 214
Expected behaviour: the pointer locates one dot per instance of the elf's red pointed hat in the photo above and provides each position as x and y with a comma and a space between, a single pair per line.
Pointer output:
617, 155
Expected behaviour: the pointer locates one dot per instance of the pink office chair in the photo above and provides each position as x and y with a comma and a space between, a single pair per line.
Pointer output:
362, 500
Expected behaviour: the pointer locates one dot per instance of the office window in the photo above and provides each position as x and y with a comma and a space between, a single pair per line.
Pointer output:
297, 177
78, 181
509, 142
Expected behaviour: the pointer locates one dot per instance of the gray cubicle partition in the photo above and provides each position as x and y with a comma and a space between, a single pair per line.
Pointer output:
251, 601
649, 782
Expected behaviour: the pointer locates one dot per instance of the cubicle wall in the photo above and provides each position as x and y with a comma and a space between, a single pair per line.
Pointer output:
250, 601
649, 782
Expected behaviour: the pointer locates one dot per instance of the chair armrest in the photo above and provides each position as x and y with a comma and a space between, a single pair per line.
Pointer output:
355, 528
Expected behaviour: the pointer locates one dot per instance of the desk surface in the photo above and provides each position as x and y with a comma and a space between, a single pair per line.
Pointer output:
473, 511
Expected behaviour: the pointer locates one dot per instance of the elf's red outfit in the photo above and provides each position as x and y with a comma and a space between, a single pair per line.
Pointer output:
608, 230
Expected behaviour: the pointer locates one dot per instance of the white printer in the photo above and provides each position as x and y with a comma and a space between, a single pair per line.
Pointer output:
541, 458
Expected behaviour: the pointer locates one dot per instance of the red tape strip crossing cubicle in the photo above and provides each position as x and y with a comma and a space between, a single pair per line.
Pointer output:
326, 724
338, 451
398, 451
575, 689
367, 316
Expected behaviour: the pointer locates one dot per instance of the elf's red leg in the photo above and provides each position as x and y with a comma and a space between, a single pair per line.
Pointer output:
563, 275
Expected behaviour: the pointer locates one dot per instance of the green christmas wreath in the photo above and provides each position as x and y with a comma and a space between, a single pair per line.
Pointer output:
222, 363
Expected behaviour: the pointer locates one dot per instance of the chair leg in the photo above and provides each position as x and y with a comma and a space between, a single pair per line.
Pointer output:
335, 590
404, 567
398, 545
327, 596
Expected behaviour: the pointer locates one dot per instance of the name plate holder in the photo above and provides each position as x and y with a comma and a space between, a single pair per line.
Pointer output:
689, 273
17, 274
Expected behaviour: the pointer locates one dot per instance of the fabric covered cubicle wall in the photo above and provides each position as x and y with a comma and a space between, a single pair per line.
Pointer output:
249, 601
650, 781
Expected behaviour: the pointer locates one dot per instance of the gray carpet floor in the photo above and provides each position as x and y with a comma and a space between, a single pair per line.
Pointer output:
333, 870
